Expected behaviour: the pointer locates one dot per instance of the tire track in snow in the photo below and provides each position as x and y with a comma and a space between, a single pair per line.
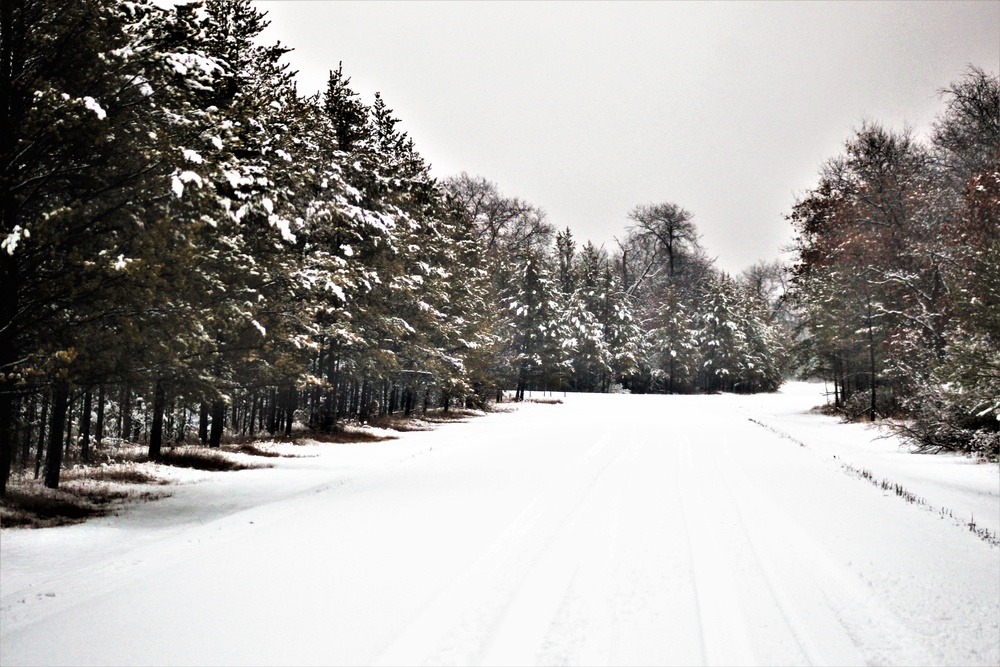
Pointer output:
654, 605
464, 619
724, 637
828, 611
820, 636
587, 540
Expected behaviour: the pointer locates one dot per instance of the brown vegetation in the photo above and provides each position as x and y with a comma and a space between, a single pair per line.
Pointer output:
91, 492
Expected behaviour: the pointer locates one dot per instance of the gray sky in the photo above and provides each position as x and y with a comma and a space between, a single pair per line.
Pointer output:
587, 109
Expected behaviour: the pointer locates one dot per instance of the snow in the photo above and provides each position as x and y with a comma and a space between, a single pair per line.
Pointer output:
193, 156
185, 62
121, 263
282, 224
609, 529
95, 106
10, 243
177, 186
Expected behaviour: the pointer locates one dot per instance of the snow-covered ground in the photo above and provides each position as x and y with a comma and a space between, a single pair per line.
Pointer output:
610, 529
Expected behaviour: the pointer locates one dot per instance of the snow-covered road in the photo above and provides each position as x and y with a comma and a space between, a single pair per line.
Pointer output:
605, 530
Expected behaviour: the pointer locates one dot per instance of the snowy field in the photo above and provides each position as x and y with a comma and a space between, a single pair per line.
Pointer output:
609, 529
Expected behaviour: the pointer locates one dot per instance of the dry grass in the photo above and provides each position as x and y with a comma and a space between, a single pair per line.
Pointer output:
416, 421
32, 505
453, 415
252, 449
262, 436
196, 457
126, 473
545, 401
401, 424
97, 490
200, 458
348, 436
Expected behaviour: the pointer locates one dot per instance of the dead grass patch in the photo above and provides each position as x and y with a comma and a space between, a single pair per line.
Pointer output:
402, 424
32, 505
453, 415
251, 449
203, 459
416, 421
127, 473
349, 436
262, 436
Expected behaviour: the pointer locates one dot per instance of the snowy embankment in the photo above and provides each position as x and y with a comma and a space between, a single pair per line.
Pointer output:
606, 530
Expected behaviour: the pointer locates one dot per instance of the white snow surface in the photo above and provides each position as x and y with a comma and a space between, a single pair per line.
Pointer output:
609, 529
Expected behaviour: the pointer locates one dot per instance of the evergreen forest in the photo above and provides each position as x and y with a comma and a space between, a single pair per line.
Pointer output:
191, 250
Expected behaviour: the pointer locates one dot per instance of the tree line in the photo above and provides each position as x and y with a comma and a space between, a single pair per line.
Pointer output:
897, 280
189, 248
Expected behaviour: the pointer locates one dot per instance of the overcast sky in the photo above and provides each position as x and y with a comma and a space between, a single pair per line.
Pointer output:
587, 109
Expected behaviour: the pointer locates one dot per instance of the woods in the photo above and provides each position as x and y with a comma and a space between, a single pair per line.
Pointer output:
190, 248
897, 273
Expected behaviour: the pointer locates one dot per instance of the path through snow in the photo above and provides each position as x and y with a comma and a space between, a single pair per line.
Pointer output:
606, 530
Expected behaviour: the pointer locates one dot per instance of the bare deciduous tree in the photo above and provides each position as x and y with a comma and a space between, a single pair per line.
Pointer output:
671, 226
505, 226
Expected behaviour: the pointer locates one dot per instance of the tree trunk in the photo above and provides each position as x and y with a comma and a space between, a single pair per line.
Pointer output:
182, 420
871, 357
26, 440
99, 426
42, 421
203, 423
69, 423
234, 423
53, 460
126, 413
251, 426
363, 401
156, 429
85, 425
218, 422
272, 412
262, 412
292, 404
6, 438
12, 63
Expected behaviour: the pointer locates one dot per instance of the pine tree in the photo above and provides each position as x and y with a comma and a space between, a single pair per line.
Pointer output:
537, 336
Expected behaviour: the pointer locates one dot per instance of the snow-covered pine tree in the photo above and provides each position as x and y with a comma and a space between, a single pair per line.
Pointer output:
93, 94
674, 342
537, 337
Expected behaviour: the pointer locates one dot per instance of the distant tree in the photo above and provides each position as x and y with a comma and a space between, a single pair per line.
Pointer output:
669, 227
673, 339
967, 134
566, 256
537, 331
507, 227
